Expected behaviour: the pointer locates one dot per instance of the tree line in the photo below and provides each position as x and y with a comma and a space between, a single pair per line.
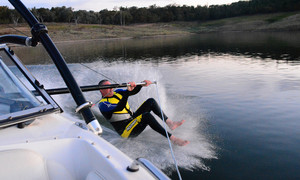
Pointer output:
152, 14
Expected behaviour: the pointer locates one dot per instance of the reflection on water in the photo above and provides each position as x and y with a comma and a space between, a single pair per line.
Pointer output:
238, 92
283, 46
253, 107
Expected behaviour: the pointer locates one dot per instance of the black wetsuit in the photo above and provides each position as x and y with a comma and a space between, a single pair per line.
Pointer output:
137, 121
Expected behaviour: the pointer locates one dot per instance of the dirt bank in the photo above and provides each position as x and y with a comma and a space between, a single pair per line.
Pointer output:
279, 22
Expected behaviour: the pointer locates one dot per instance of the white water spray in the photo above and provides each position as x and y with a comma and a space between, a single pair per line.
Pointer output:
148, 144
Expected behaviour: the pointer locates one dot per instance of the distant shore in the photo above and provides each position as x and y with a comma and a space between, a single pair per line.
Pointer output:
278, 22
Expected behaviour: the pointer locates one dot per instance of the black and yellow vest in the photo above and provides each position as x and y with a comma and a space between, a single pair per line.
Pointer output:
124, 114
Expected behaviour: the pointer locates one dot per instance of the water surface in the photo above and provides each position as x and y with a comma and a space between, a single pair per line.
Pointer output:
239, 93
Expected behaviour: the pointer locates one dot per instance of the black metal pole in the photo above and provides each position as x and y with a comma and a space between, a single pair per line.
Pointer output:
56, 91
84, 88
57, 59
13, 39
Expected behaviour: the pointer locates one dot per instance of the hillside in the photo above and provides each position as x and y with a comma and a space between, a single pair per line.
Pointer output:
278, 22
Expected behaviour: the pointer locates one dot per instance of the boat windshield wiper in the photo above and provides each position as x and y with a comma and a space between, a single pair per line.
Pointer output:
39, 33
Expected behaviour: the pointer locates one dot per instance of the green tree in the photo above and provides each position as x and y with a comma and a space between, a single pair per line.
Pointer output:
15, 17
107, 16
62, 14
4, 15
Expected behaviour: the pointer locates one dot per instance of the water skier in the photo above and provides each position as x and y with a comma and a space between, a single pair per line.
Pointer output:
115, 108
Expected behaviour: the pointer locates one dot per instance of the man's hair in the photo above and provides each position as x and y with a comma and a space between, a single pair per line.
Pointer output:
102, 82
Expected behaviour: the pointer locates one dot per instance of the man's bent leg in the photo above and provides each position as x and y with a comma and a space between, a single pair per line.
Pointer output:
151, 105
148, 119
148, 106
137, 125
133, 128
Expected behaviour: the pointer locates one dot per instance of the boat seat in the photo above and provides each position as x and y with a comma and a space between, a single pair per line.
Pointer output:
25, 164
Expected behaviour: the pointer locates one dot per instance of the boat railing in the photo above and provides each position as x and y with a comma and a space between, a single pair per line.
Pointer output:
153, 169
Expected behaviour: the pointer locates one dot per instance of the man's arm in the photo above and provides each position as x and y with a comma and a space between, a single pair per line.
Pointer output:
134, 89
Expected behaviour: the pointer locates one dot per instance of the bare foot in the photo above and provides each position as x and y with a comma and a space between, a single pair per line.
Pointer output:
174, 124
178, 141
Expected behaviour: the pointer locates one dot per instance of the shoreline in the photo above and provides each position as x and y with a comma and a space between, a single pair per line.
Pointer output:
69, 32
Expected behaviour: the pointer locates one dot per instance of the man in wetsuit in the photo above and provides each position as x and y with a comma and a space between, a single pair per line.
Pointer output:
116, 110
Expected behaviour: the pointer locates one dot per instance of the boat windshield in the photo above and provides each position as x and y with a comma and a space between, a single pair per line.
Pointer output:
14, 96
22, 98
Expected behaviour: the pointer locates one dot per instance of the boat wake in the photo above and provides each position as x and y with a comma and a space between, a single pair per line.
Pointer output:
149, 144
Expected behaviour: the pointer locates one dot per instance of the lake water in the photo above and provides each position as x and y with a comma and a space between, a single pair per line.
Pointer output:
239, 94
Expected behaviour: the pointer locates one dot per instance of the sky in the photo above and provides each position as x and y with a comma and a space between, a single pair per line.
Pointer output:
97, 5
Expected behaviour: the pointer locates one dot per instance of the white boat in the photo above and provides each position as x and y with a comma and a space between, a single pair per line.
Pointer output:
38, 140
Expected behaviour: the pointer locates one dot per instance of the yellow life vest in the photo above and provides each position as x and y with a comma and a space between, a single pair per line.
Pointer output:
118, 115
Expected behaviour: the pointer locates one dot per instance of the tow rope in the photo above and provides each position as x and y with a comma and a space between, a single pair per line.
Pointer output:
165, 127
